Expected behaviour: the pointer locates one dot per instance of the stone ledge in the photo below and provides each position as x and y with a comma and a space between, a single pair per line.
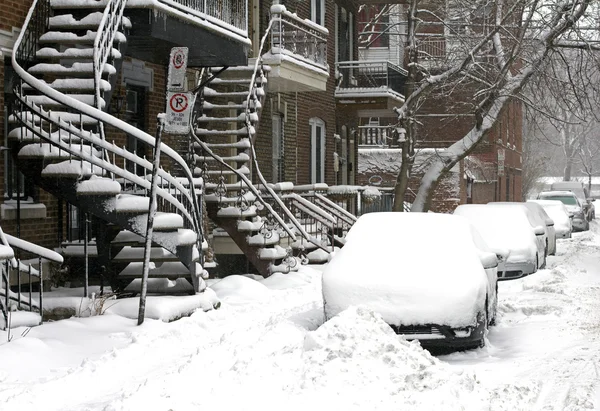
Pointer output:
28, 211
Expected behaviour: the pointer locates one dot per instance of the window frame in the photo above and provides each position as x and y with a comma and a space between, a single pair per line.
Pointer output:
318, 19
317, 165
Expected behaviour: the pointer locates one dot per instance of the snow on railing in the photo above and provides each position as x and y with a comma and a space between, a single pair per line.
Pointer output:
186, 201
105, 37
278, 202
298, 37
371, 75
234, 13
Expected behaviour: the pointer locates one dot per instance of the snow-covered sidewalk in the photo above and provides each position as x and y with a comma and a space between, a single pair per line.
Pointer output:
265, 349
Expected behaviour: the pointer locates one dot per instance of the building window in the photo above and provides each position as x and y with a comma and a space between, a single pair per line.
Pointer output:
373, 23
278, 146
317, 11
15, 183
317, 150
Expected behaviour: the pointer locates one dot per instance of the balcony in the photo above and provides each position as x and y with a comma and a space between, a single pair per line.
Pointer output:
215, 31
375, 136
297, 53
374, 88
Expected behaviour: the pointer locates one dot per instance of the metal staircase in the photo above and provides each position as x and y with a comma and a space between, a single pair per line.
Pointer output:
66, 58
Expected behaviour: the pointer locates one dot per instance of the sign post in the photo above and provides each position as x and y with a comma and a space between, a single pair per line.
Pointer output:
501, 157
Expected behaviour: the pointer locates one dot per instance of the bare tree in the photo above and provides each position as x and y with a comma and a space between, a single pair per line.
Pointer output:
496, 50
589, 154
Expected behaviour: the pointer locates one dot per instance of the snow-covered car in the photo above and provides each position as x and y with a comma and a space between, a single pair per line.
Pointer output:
573, 204
430, 276
581, 192
508, 228
558, 212
538, 216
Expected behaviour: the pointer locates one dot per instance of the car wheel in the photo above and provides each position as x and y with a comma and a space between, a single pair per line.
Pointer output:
494, 309
537, 262
483, 319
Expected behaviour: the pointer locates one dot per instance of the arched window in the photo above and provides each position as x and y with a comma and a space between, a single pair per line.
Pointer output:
317, 150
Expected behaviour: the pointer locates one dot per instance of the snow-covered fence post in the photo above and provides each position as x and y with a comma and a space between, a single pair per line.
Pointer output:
151, 213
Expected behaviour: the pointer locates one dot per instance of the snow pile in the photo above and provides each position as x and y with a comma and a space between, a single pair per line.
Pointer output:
358, 357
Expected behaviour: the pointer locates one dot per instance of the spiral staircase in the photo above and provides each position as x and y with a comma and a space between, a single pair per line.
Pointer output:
67, 58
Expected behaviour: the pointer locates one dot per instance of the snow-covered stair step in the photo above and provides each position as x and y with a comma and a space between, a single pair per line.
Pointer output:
182, 236
74, 169
241, 117
161, 286
247, 226
240, 144
74, 84
98, 186
168, 269
91, 21
60, 37
136, 254
78, 4
129, 203
209, 92
249, 198
218, 80
26, 135
24, 319
238, 158
232, 187
72, 53
51, 152
169, 222
210, 106
240, 132
318, 256
274, 253
75, 70
242, 170
47, 102
235, 212
74, 118
262, 240
303, 245
287, 268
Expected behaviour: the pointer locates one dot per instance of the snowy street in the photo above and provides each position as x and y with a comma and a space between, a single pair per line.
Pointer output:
265, 349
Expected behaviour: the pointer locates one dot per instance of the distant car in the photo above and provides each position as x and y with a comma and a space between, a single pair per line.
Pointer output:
581, 192
538, 216
430, 276
573, 204
560, 215
508, 228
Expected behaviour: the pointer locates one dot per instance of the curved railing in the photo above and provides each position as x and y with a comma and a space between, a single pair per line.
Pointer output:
174, 195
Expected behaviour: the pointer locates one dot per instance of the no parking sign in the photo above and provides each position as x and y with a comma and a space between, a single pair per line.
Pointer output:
179, 109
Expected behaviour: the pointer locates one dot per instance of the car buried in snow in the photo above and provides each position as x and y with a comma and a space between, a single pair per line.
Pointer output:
509, 228
563, 225
430, 276
573, 204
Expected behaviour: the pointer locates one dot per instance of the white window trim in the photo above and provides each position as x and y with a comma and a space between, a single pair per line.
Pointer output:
313, 12
314, 122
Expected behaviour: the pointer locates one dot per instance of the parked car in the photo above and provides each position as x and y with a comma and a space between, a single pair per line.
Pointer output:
581, 191
574, 206
430, 276
537, 216
508, 228
558, 212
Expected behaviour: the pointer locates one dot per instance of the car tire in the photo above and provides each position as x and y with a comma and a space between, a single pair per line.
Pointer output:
537, 262
484, 321
494, 310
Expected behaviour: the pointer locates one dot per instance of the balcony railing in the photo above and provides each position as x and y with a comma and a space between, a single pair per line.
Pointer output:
298, 38
431, 48
234, 13
379, 136
369, 76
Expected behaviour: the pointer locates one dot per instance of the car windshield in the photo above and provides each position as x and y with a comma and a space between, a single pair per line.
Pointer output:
568, 200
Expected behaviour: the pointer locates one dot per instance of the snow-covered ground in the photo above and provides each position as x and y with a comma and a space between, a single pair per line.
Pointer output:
266, 349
